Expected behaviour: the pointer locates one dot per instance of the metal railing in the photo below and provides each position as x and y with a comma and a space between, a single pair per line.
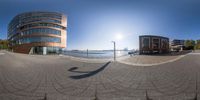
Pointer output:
97, 54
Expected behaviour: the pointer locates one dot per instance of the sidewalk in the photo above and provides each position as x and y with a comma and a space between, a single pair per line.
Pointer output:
149, 60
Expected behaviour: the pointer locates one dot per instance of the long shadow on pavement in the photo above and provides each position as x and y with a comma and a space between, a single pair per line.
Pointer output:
73, 69
88, 74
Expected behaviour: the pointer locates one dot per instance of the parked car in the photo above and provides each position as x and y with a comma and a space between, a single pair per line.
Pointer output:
133, 53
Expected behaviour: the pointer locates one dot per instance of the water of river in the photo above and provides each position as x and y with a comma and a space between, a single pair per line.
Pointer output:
95, 53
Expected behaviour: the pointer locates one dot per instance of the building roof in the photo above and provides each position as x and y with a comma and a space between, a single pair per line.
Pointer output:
153, 36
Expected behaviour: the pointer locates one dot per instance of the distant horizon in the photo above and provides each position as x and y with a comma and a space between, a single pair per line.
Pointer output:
170, 39
93, 24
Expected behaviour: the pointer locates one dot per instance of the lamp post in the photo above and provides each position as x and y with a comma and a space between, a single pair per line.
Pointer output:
114, 50
87, 53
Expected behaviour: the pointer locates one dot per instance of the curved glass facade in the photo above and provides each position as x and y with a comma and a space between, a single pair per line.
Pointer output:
39, 39
36, 40
49, 50
45, 29
43, 24
41, 31
50, 17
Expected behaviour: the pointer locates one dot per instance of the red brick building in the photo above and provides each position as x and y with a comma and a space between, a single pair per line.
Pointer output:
149, 44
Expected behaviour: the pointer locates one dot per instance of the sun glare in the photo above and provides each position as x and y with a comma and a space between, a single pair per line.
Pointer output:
119, 36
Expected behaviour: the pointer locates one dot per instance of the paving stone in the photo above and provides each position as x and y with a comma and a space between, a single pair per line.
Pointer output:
26, 77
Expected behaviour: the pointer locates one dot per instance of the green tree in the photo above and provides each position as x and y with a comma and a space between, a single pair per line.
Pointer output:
3, 44
197, 46
190, 44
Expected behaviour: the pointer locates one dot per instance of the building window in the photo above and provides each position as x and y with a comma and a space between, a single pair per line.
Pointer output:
164, 43
40, 39
145, 43
156, 43
42, 31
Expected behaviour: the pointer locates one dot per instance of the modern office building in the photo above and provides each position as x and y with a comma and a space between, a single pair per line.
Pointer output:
149, 44
177, 45
38, 32
178, 42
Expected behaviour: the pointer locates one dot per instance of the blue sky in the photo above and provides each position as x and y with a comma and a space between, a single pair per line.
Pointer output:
93, 24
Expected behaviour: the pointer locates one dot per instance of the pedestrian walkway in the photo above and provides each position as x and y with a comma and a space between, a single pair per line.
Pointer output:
37, 77
149, 60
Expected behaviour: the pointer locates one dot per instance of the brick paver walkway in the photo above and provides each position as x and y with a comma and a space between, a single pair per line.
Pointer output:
27, 77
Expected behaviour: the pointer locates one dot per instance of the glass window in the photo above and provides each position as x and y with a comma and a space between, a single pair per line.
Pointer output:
145, 43
156, 43
43, 31
40, 39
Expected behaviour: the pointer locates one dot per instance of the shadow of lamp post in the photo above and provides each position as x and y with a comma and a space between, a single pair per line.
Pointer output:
147, 97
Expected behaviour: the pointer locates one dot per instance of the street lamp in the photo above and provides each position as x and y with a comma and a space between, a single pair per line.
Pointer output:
114, 50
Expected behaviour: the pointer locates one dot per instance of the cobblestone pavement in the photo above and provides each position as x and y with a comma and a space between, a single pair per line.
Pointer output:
35, 77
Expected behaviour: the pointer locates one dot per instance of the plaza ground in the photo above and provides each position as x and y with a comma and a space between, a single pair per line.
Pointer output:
149, 60
36, 77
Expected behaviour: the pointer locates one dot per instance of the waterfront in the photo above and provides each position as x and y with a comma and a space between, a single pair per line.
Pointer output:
95, 53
